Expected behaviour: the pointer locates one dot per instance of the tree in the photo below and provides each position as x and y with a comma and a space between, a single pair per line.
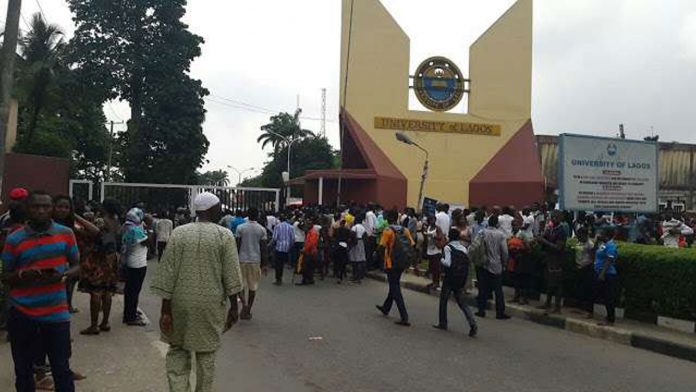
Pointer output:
141, 51
285, 125
41, 52
59, 114
216, 178
310, 153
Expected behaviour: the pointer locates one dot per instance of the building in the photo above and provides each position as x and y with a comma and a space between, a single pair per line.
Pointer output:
487, 156
676, 171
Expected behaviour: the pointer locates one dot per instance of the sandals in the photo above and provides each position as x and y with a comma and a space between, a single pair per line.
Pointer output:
45, 384
90, 331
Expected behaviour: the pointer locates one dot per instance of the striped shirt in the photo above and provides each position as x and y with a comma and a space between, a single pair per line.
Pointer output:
27, 249
284, 237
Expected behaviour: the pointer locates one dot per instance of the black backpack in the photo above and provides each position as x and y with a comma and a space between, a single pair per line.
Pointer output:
458, 272
403, 254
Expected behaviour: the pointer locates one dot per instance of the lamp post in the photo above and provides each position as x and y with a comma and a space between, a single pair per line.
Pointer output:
403, 138
289, 143
240, 173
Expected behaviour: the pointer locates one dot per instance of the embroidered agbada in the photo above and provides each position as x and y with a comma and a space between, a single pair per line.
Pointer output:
198, 272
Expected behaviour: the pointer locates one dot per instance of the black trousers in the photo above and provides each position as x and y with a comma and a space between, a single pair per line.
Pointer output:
370, 246
28, 338
358, 270
491, 283
295, 254
308, 267
134, 283
447, 289
280, 259
394, 279
606, 292
585, 288
340, 262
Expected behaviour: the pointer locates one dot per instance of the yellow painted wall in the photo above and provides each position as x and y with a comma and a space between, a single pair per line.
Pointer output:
378, 86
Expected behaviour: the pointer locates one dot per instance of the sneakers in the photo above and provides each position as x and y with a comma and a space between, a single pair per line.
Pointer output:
473, 331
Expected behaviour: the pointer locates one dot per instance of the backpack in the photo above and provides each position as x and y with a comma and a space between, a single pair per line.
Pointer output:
403, 254
477, 251
458, 272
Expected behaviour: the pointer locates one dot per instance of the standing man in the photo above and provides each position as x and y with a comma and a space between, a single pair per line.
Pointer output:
163, 230
37, 261
200, 267
283, 240
396, 260
370, 224
442, 218
491, 277
605, 270
252, 238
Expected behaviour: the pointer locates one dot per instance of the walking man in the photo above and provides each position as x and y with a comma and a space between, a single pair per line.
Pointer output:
283, 240
37, 261
252, 238
199, 268
398, 254
495, 245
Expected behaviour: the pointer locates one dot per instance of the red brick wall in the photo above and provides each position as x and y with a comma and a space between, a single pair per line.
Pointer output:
35, 172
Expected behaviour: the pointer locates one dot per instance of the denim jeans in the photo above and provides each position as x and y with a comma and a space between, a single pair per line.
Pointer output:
447, 289
28, 338
279, 263
394, 279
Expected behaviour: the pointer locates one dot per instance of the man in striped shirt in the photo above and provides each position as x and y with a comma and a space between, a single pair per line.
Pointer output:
36, 262
284, 240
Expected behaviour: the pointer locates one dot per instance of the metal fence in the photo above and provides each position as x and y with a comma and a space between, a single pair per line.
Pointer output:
167, 197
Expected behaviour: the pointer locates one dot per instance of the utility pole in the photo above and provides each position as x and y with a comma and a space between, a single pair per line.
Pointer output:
9, 54
111, 149
322, 133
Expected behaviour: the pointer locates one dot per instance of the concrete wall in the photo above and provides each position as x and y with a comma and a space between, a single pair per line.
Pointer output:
378, 86
35, 172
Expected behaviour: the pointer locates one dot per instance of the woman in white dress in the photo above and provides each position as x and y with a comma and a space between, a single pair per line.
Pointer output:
357, 254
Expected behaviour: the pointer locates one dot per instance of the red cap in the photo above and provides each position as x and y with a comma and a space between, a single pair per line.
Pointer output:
19, 194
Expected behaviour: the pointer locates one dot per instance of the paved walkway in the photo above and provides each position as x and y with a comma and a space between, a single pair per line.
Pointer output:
628, 332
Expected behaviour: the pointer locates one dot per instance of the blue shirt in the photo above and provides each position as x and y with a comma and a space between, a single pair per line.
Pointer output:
284, 237
607, 250
238, 220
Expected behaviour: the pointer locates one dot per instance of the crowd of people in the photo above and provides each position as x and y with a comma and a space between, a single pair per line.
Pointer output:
51, 248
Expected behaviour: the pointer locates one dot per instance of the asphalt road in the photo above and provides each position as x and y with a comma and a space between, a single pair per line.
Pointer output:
360, 350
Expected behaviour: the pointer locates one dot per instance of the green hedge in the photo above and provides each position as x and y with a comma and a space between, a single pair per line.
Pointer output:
658, 280
653, 280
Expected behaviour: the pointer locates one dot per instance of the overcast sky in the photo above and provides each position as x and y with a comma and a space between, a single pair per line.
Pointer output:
597, 63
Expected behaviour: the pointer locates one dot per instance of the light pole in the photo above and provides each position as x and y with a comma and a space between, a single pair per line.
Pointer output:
289, 143
403, 138
240, 173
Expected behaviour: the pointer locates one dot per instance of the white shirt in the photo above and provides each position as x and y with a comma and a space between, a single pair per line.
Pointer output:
271, 222
359, 230
529, 221
370, 222
163, 229
137, 255
443, 221
505, 222
670, 240
432, 247
299, 234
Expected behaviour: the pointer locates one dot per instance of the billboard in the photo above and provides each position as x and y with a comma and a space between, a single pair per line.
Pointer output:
604, 174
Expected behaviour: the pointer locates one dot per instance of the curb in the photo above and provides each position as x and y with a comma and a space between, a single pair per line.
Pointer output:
591, 329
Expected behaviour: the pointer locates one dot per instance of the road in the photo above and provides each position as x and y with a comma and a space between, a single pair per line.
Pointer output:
361, 350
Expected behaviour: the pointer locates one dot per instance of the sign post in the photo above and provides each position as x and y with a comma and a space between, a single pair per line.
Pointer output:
604, 174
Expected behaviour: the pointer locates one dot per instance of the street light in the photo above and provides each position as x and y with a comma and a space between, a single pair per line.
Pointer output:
289, 143
403, 138
240, 173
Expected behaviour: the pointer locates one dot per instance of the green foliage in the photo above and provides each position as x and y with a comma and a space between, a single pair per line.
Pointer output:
659, 280
311, 153
141, 51
653, 280
59, 115
282, 125
217, 178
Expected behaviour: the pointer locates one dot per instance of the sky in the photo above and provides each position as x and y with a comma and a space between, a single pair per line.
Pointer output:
597, 63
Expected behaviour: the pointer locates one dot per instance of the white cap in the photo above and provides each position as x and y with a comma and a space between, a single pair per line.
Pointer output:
205, 201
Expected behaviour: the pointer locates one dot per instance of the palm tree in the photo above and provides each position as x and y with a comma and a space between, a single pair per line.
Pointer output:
40, 51
285, 125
